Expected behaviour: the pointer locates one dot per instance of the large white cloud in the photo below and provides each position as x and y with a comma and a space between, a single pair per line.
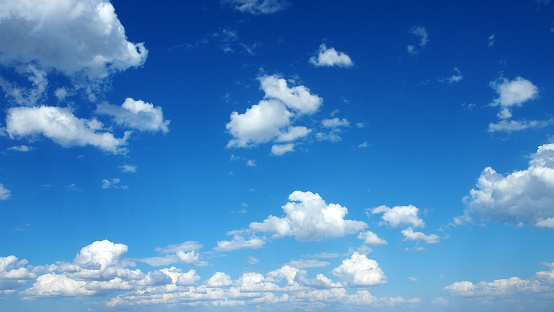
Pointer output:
61, 126
69, 36
309, 218
398, 215
330, 57
359, 271
521, 197
136, 115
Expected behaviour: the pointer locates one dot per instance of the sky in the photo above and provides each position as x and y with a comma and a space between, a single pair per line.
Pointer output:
276, 155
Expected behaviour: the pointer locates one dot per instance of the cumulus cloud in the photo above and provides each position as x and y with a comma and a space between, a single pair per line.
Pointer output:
500, 287
258, 7
219, 279
4, 192
136, 115
69, 36
241, 240
521, 197
13, 274
184, 253
330, 57
309, 218
398, 215
420, 32
281, 149
359, 271
61, 126
371, 238
272, 118
512, 94
409, 234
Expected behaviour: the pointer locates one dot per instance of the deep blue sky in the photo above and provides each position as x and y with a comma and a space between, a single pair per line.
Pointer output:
269, 155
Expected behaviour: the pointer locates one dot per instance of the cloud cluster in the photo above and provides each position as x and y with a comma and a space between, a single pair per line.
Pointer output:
521, 197
513, 94
272, 118
258, 7
330, 57
136, 115
100, 269
309, 218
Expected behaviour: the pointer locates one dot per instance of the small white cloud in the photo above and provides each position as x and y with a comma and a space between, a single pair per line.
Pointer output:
491, 40
409, 234
309, 218
363, 145
513, 93
258, 7
371, 238
330, 57
413, 279
302, 264
241, 240
515, 125
60, 125
281, 149
136, 115
398, 215
251, 163
20, 148
359, 271
128, 168
420, 32
455, 78
219, 279
252, 260
113, 183
4, 192
335, 123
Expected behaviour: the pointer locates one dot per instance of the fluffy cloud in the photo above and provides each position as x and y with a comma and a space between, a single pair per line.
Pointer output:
330, 57
272, 118
500, 287
61, 126
257, 7
241, 240
13, 274
521, 197
398, 215
409, 234
69, 36
183, 253
4, 192
136, 115
219, 279
371, 238
309, 218
421, 32
359, 271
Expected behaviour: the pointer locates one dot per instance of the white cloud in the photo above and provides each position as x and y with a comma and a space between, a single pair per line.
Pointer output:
297, 98
491, 40
257, 7
359, 271
20, 148
69, 36
251, 163
136, 115
61, 126
4, 192
335, 123
128, 168
13, 274
513, 93
252, 260
500, 287
272, 118
421, 32
186, 246
330, 57
513, 125
113, 183
455, 78
281, 149
309, 218
55, 285
241, 240
398, 215
521, 197
26, 95
183, 253
409, 234
219, 279
371, 238
302, 264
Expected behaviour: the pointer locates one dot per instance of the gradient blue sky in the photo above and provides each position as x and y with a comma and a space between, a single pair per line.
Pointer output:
276, 155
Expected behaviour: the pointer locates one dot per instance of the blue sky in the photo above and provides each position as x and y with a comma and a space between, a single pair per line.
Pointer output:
276, 155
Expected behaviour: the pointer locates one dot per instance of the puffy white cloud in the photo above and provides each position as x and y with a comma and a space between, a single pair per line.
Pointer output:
293, 133
359, 271
257, 7
100, 255
241, 240
259, 124
513, 93
297, 98
330, 57
219, 279
69, 36
398, 215
180, 278
409, 234
13, 274
54, 285
309, 218
371, 238
335, 123
521, 197
184, 253
4, 192
500, 287
136, 115
190, 258
61, 126
113, 183
421, 32
281, 149
128, 168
